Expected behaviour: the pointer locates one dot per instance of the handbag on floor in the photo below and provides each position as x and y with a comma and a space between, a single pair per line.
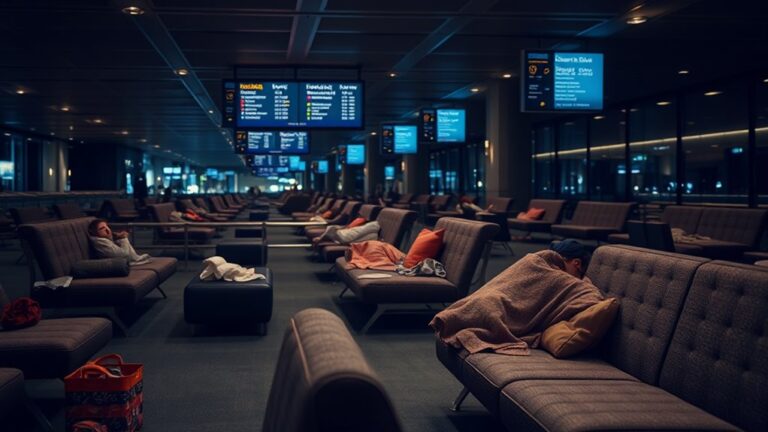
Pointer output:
108, 391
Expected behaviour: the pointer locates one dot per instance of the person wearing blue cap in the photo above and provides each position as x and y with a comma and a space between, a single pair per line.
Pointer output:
575, 254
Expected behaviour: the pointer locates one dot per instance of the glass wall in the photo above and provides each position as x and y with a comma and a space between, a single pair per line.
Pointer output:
761, 138
543, 141
715, 140
689, 147
607, 170
572, 157
652, 144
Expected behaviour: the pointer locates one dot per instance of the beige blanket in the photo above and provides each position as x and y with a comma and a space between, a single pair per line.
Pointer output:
509, 313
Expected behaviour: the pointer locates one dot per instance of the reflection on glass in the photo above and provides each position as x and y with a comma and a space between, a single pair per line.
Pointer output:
652, 141
715, 140
543, 161
607, 170
572, 157
761, 134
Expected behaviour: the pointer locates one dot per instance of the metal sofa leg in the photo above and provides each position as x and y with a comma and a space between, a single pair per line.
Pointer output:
161, 291
509, 248
40, 418
117, 322
341, 294
379, 311
459, 399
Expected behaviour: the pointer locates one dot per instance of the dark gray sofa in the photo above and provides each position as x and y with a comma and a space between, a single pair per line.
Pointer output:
688, 351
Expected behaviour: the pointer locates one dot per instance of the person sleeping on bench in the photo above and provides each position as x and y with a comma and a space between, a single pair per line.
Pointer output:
113, 245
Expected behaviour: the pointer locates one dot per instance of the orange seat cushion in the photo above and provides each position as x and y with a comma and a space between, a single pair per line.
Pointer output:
427, 245
327, 215
357, 222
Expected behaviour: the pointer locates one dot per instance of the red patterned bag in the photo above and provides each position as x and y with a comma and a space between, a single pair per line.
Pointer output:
89, 426
20, 313
107, 391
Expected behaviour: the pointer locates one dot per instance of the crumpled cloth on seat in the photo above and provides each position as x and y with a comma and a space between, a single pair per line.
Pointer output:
217, 268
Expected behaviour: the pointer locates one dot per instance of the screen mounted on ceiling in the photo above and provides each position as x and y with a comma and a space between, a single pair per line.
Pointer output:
269, 171
263, 142
399, 139
293, 104
451, 125
561, 81
428, 125
356, 154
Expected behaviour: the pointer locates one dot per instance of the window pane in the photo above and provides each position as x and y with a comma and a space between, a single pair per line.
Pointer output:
607, 173
761, 133
543, 161
715, 140
572, 157
652, 142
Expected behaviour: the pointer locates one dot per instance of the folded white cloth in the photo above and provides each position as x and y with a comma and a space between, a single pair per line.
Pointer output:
217, 268
375, 276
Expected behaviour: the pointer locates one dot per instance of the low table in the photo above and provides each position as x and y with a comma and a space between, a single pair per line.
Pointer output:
230, 303
246, 252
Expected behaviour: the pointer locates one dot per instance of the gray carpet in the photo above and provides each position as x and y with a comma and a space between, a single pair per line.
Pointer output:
216, 381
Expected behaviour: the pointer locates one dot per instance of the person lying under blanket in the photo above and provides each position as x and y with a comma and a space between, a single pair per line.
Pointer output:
113, 245
509, 313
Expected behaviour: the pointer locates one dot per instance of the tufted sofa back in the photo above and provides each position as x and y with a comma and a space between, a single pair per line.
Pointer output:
602, 214
323, 383
57, 245
718, 359
463, 245
735, 225
394, 224
651, 287
369, 211
553, 209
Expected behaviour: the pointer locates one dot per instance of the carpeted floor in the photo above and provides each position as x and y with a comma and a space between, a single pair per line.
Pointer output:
220, 381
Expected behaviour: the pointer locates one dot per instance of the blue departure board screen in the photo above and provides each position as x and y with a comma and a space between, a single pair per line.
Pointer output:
269, 171
271, 161
302, 165
562, 81
293, 104
406, 139
451, 125
356, 154
321, 166
293, 163
389, 172
428, 125
387, 139
269, 142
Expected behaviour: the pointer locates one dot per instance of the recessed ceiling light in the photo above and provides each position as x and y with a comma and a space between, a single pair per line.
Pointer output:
507, 75
124, 132
156, 146
133, 10
373, 133
71, 127
71, 139
20, 91
7, 134
683, 72
65, 108
713, 93
182, 72
637, 19
765, 80
98, 121
598, 117
210, 111
142, 140
663, 103
392, 74
53, 133
29, 139
474, 89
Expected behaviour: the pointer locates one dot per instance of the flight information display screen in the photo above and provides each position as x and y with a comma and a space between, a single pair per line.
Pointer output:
302, 165
387, 139
562, 81
293, 104
428, 125
269, 171
263, 142
406, 139
320, 166
293, 163
355, 154
389, 172
271, 161
451, 125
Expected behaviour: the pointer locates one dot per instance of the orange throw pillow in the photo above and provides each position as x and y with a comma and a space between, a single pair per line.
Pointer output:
356, 223
427, 245
327, 215
535, 213
582, 332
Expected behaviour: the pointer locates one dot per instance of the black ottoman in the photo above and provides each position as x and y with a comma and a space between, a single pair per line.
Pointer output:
258, 215
244, 252
238, 303
249, 232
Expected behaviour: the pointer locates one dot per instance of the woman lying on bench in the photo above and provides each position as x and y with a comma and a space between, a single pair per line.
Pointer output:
113, 245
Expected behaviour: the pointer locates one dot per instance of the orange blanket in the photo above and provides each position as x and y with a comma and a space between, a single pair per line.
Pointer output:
374, 254
509, 313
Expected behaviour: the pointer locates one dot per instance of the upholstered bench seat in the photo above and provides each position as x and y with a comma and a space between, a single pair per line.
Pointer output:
333, 251
619, 238
197, 234
53, 347
243, 252
763, 263
110, 291
164, 267
219, 302
716, 249
582, 405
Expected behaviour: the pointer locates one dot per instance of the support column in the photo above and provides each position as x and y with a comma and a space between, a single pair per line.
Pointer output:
374, 167
332, 178
416, 172
508, 145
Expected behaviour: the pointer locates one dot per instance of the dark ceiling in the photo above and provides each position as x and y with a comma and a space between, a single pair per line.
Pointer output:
103, 64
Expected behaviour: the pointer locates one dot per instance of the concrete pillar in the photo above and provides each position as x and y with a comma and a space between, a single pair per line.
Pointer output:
508, 145
374, 166
332, 178
416, 173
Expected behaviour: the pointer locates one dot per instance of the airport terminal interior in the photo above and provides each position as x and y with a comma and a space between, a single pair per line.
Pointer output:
347, 215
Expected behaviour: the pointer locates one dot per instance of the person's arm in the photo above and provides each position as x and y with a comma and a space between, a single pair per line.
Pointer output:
106, 248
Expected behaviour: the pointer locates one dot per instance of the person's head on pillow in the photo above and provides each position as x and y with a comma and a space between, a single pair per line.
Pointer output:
99, 228
576, 256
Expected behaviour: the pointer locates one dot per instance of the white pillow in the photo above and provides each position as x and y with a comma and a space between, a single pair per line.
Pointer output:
369, 231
